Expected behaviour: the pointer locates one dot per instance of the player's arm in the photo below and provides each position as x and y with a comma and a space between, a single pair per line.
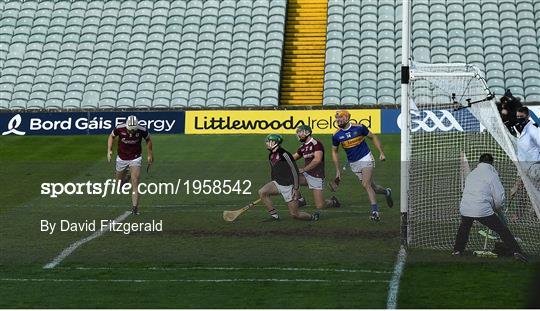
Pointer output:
335, 156
377, 144
149, 150
317, 159
296, 156
335, 159
110, 141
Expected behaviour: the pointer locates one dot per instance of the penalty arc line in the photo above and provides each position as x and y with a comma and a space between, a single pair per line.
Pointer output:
394, 282
70, 249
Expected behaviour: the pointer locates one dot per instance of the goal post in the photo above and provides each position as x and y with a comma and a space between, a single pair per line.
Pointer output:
448, 120
405, 118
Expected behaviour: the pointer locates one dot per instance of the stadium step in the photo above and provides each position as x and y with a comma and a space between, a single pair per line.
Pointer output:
298, 68
302, 78
301, 81
301, 53
306, 35
304, 53
302, 102
316, 28
301, 89
303, 43
304, 56
308, 11
302, 75
305, 23
295, 63
313, 45
302, 94
291, 77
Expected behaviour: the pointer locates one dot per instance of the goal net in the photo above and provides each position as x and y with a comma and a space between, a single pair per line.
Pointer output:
453, 121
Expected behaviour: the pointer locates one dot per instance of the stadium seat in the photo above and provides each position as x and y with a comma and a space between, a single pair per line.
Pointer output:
61, 43
75, 30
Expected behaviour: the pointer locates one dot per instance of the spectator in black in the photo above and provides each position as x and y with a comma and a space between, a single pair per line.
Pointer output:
508, 106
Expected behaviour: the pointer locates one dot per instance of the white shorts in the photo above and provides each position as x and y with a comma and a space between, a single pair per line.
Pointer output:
286, 191
122, 165
366, 162
314, 182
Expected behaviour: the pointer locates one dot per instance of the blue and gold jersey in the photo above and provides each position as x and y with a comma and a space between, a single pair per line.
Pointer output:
353, 141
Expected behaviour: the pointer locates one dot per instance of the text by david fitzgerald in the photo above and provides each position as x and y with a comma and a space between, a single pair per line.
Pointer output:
65, 225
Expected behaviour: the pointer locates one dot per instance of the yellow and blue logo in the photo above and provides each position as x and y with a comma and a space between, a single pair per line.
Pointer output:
275, 121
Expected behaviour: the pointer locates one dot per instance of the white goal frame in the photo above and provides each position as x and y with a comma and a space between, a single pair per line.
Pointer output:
411, 71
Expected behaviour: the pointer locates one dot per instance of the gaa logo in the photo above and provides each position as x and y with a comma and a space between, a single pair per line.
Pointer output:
429, 121
13, 124
432, 120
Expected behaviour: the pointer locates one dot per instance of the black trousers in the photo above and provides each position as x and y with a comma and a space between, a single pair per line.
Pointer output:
492, 222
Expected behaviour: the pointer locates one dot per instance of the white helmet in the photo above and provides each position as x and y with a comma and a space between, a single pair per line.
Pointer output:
132, 123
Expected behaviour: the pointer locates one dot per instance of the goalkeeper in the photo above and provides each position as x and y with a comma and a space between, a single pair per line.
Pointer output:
483, 194
285, 180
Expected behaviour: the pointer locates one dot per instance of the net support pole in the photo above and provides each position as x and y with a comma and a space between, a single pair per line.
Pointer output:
405, 117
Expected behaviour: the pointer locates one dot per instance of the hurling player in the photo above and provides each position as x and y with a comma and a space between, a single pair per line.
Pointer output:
312, 175
285, 180
352, 137
129, 155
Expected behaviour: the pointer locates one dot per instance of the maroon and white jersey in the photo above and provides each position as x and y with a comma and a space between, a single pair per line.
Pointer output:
307, 151
129, 143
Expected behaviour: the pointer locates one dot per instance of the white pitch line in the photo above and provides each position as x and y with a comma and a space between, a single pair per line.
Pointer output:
233, 269
190, 280
188, 205
394, 282
202, 210
70, 249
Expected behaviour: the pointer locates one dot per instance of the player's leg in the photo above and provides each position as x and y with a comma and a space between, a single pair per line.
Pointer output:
121, 168
495, 224
387, 192
121, 175
303, 182
135, 178
365, 178
297, 214
265, 192
316, 184
287, 193
321, 203
378, 189
127, 177
462, 236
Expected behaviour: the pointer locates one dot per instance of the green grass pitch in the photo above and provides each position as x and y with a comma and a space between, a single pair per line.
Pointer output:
200, 261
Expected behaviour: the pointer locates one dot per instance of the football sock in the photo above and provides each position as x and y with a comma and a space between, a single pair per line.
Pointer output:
273, 213
374, 207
